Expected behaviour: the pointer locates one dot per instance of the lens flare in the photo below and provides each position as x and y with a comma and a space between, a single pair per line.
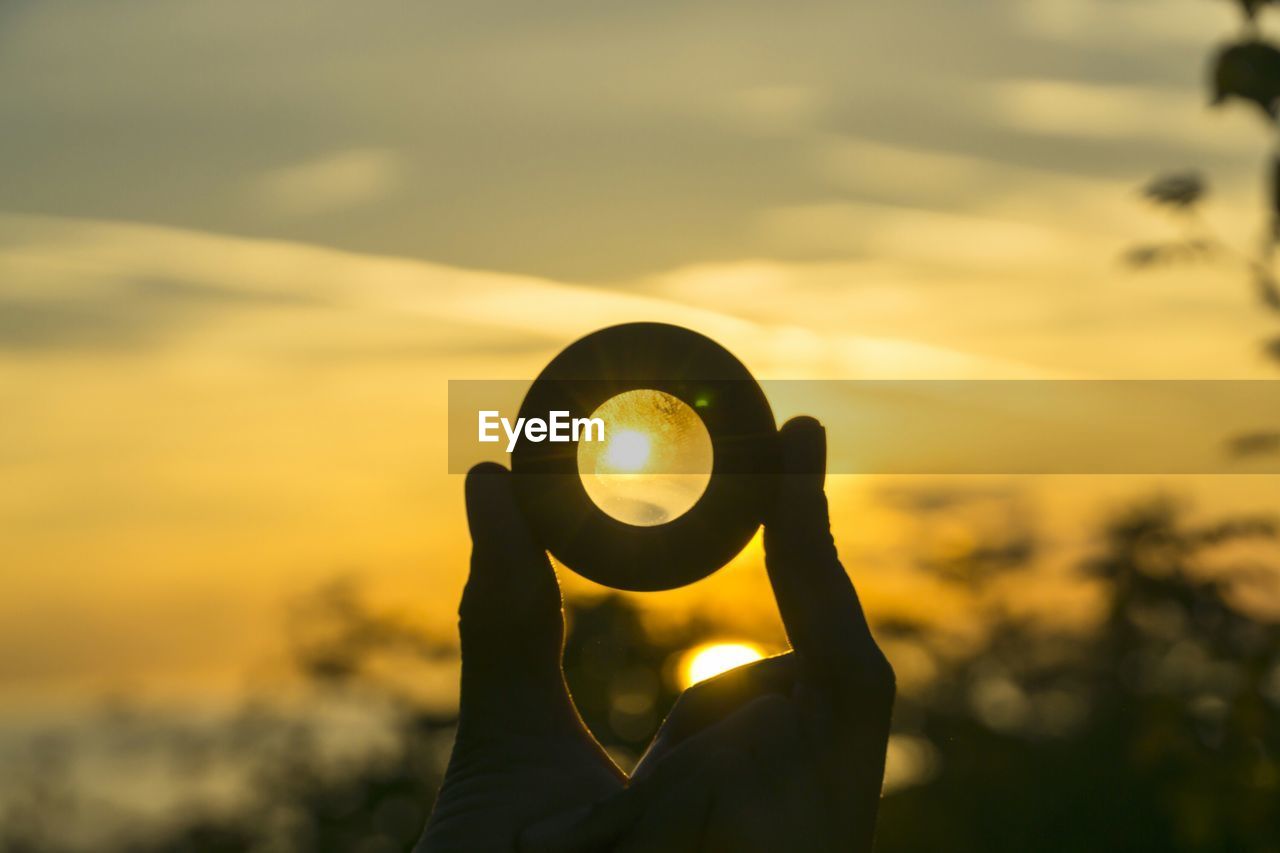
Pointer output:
711, 659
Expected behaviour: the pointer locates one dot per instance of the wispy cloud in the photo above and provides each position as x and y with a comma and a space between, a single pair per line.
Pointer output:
90, 283
330, 183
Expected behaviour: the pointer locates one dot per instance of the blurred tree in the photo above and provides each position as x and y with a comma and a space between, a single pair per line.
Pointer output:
1247, 71
623, 677
1250, 8
1156, 728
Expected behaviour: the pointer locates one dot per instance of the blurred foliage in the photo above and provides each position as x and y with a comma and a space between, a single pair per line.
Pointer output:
1250, 8
1256, 443
1246, 71
1156, 727
623, 677
1159, 730
1179, 190
293, 790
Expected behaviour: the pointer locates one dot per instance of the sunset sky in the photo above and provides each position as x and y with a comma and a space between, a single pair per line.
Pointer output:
244, 246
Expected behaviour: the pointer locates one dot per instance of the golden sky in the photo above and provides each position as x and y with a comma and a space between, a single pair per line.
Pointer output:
244, 248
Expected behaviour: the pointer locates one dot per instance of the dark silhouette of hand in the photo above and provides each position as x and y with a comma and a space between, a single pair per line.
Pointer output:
522, 752
786, 754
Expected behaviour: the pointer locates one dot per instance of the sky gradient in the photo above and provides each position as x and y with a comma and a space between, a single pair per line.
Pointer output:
244, 248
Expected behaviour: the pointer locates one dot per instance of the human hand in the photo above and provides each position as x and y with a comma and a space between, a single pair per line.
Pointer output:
522, 752
786, 754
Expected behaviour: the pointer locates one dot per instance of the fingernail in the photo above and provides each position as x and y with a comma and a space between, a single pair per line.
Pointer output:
488, 497
804, 446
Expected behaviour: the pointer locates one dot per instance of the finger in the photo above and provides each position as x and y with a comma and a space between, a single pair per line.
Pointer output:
711, 701
511, 621
675, 822
786, 764
593, 828
745, 815
599, 827
816, 599
849, 703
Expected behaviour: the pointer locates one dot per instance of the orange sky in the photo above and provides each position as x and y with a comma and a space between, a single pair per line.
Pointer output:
242, 255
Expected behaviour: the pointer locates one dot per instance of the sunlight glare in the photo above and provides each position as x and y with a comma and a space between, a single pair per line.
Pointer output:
628, 451
711, 659
655, 462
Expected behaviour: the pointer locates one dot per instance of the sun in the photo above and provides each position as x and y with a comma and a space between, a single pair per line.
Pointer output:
711, 659
628, 451
655, 460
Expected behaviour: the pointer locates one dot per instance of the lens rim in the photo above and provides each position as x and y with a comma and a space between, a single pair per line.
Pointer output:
710, 380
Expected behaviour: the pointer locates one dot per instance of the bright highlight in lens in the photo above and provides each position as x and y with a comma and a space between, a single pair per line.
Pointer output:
655, 460
627, 451
709, 660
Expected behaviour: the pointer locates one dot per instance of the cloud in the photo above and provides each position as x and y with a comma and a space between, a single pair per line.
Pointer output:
330, 183
1169, 23
85, 284
1082, 110
934, 295
582, 143
776, 110
920, 236
45, 324
129, 315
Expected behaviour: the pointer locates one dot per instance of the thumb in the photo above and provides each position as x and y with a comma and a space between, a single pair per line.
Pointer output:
709, 702
511, 624
800, 523
816, 599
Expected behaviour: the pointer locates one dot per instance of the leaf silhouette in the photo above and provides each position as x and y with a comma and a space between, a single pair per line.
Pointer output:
1251, 7
1254, 444
1249, 71
1177, 190
1268, 289
1147, 255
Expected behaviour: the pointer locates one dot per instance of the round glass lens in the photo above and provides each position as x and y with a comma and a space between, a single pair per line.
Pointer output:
654, 462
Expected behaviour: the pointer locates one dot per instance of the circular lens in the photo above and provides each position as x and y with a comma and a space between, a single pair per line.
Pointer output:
654, 462
681, 478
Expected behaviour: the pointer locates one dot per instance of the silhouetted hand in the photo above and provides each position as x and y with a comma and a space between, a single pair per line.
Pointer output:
784, 754
522, 752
